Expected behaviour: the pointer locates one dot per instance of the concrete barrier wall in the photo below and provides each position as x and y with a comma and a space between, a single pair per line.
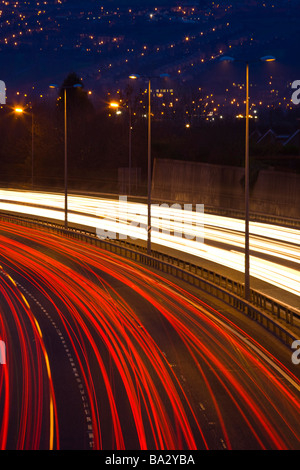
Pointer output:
272, 193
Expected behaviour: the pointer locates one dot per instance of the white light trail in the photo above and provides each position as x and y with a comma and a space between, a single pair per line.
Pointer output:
276, 248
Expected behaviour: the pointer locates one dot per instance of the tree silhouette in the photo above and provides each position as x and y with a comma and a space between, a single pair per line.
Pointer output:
80, 112
78, 102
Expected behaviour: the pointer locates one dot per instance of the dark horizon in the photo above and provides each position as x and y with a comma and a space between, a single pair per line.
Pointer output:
105, 45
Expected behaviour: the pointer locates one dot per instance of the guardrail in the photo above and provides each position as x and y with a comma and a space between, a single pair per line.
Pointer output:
272, 219
214, 210
270, 313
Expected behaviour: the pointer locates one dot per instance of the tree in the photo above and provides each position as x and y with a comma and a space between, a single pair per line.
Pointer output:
80, 112
78, 102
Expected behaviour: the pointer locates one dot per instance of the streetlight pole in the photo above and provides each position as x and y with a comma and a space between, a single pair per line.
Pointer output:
32, 148
129, 147
247, 246
247, 170
149, 166
20, 110
116, 105
66, 157
149, 171
149, 183
76, 85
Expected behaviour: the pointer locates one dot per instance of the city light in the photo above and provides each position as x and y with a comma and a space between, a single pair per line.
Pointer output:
150, 237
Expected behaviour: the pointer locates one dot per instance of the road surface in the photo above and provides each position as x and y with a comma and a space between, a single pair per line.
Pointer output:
274, 250
104, 354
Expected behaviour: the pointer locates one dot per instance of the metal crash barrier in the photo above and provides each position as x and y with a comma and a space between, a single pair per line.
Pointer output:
273, 315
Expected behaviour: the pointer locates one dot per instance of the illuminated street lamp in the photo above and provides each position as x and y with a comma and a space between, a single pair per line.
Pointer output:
135, 77
267, 58
76, 85
20, 110
116, 105
113, 104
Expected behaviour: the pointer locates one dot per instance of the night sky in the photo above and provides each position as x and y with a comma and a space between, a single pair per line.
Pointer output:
140, 325
105, 41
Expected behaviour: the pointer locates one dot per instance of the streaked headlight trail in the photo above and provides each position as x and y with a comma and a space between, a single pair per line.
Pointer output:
105, 354
275, 253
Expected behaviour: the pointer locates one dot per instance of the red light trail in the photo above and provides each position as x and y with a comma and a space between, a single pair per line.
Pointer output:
105, 354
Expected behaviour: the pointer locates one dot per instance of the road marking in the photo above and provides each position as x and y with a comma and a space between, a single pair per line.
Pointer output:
242, 338
69, 355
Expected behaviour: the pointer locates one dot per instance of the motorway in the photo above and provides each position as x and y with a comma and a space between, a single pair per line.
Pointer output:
106, 354
275, 250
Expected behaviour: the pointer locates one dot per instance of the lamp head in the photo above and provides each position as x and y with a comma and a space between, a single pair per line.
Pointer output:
268, 58
227, 58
